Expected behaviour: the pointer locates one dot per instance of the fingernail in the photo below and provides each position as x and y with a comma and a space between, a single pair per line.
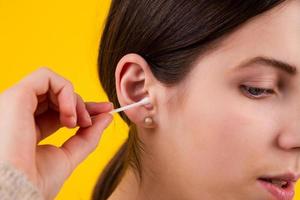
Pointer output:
111, 105
73, 120
88, 118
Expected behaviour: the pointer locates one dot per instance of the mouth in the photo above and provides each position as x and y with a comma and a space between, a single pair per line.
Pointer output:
281, 187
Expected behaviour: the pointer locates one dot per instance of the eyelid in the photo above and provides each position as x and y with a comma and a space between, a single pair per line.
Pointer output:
261, 84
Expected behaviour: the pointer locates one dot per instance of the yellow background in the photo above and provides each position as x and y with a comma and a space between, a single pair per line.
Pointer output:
64, 36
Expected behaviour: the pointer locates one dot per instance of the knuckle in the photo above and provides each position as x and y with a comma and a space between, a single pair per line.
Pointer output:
79, 97
69, 84
45, 70
49, 72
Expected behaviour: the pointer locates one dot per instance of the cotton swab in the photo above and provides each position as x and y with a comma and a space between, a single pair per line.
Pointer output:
144, 101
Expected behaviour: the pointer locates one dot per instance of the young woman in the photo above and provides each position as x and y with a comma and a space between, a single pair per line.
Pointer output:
223, 81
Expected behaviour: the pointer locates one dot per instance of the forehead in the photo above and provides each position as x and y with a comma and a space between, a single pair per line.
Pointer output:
275, 34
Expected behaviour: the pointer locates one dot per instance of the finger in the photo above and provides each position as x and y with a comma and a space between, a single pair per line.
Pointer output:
42, 107
67, 106
79, 146
83, 117
48, 122
45, 104
43, 80
95, 108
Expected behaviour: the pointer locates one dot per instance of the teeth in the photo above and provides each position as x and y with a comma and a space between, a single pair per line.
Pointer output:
279, 183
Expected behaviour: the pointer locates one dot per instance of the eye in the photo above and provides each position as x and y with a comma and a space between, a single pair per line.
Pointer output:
256, 92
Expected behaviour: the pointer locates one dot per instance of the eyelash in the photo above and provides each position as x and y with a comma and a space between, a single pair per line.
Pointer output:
245, 89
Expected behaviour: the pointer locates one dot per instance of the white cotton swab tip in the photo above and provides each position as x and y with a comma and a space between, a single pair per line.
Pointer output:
144, 101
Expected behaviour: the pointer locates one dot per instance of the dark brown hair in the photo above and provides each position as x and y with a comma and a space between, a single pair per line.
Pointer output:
169, 35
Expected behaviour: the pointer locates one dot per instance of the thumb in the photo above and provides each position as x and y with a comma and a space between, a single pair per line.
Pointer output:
80, 145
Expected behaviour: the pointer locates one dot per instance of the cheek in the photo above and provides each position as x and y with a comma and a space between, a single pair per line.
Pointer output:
223, 140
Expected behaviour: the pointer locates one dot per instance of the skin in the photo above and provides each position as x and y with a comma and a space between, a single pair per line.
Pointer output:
34, 108
212, 139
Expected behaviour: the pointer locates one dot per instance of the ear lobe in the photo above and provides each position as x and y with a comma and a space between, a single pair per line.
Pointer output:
132, 79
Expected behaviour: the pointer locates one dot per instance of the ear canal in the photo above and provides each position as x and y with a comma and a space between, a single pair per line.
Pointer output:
139, 103
145, 101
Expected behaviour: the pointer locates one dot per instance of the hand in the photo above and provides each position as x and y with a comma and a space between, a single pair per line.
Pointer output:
33, 109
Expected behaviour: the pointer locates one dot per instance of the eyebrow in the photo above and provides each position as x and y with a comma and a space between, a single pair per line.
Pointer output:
278, 64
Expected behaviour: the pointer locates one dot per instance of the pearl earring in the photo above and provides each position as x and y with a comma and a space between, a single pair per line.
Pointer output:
148, 121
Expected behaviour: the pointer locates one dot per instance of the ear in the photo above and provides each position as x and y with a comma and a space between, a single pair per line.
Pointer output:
133, 83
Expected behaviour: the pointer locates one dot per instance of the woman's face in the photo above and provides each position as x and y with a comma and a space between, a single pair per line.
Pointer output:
216, 138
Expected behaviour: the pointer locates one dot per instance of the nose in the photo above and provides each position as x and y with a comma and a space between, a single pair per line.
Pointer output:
289, 138
289, 141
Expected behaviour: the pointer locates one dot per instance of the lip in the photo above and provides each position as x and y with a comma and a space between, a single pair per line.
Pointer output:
280, 193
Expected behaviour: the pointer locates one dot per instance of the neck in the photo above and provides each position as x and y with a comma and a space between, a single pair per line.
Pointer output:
131, 189
128, 188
